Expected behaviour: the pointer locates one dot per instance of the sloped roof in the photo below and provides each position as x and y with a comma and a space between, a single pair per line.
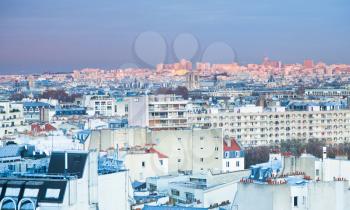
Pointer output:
76, 163
12, 150
41, 128
160, 155
234, 146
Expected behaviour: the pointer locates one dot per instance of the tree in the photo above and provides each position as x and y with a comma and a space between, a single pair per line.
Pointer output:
256, 155
180, 90
59, 95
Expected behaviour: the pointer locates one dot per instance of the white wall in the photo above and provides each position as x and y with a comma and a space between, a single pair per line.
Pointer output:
219, 194
335, 168
232, 166
197, 150
152, 166
114, 191
138, 111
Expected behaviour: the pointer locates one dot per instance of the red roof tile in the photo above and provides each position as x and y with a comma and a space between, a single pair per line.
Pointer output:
160, 155
234, 146
42, 128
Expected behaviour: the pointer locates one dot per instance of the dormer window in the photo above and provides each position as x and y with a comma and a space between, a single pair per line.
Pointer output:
28, 192
14, 192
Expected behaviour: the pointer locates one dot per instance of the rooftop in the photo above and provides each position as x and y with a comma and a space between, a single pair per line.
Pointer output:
171, 208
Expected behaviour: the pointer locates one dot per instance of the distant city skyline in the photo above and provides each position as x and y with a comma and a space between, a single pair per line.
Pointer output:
60, 36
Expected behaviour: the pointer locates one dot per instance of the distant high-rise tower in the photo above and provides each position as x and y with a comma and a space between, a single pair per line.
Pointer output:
184, 64
309, 64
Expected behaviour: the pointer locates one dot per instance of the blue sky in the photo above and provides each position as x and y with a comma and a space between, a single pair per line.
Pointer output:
61, 35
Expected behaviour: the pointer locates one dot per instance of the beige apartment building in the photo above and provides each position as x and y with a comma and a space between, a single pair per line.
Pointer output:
160, 112
193, 150
261, 127
187, 150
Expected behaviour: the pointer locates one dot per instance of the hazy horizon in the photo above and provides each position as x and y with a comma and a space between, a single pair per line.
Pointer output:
59, 36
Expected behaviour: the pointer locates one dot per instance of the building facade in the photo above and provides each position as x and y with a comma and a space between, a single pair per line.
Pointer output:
252, 127
160, 112
11, 119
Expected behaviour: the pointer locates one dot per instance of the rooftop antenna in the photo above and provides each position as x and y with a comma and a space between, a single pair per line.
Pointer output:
116, 156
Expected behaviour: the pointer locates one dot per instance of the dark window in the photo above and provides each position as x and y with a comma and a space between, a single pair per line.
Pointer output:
175, 192
295, 201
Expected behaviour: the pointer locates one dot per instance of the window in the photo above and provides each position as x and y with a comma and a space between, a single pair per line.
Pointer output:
175, 192
237, 153
178, 160
143, 163
237, 163
12, 192
227, 164
201, 159
216, 148
52, 193
295, 201
152, 187
161, 162
317, 172
31, 192
189, 197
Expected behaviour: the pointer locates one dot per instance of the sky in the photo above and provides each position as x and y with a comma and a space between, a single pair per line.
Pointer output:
62, 35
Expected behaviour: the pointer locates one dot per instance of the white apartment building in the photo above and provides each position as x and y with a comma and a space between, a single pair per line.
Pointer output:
326, 169
291, 183
167, 112
230, 93
158, 111
256, 126
233, 156
329, 92
296, 194
187, 150
193, 150
206, 190
74, 181
11, 119
103, 105
144, 162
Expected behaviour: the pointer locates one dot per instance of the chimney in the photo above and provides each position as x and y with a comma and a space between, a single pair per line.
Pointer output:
65, 162
324, 156
227, 141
